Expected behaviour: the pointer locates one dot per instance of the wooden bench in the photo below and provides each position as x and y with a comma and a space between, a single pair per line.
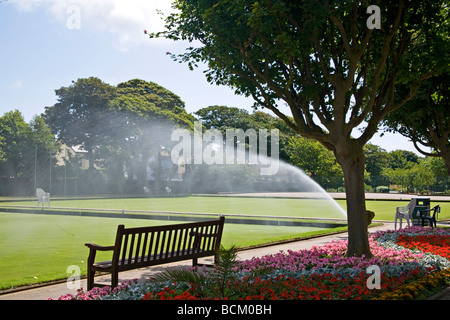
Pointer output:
148, 246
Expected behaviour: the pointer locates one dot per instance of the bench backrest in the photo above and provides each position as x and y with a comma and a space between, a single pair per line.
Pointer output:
144, 246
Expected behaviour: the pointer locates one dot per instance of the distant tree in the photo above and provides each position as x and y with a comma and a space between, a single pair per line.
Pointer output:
422, 174
264, 120
2, 147
416, 177
25, 145
78, 118
376, 160
438, 167
224, 117
17, 148
120, 127
156, 96
398, 176
402, 159
141, 118
442, 178
313, 157
321, 60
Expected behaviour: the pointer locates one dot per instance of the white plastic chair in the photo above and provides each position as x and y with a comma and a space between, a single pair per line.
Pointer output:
146, 190
169, 191
42, 197
402, 213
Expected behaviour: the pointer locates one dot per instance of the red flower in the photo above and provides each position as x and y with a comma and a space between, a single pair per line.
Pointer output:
434, 244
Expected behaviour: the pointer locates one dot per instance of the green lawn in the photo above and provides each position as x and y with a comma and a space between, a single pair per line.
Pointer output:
384, 210
36, 248
216, 205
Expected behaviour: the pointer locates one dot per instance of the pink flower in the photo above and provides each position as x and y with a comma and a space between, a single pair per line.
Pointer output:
332, 255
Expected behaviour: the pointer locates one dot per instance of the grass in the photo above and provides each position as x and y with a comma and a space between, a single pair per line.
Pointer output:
216, 205
384, 210
39, 248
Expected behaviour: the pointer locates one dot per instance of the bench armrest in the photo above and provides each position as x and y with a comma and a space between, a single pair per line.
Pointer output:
93, 248
99, 248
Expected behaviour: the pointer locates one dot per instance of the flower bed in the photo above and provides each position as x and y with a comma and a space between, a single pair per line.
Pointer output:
419, 289
315, 287
411, 261
438, 245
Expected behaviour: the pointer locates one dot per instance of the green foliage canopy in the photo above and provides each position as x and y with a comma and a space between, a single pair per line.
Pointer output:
78, 116
426, 118
24, 145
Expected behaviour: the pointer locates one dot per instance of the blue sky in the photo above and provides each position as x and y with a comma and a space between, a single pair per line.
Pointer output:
47, 44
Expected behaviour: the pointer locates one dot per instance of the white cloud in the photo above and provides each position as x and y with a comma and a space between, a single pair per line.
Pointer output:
125, 20
18, 84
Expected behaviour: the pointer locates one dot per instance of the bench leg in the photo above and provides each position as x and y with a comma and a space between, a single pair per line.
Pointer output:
90, 279
114, 279
194, 262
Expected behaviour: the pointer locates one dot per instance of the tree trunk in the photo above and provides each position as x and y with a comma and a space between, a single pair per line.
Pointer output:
142, 167
352, 163
91, 159
446, 158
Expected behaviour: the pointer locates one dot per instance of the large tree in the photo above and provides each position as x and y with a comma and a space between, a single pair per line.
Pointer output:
426, 119
78, 116
324, 60
313, 158
25, 154
140, 120
223, 118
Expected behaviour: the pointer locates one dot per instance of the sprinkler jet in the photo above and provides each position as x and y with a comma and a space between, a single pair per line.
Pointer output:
209, 147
